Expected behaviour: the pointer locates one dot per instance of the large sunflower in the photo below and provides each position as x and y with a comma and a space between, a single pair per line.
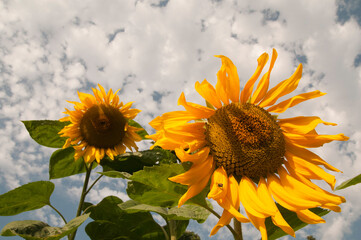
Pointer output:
99, 126
251, 156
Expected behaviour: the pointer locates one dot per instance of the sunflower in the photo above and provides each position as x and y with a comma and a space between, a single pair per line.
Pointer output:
252, 157
99, 126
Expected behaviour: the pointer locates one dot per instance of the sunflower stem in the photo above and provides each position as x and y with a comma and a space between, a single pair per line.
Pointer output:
172, 229
237, 229
83, 194
56, 210
234, 233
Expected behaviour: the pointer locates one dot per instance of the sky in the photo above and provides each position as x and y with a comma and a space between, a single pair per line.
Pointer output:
154, 50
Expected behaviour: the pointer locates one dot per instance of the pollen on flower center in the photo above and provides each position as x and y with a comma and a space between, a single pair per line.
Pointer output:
246, 140
102, 126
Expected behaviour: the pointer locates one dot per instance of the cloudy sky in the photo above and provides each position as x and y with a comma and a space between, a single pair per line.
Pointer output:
154, 50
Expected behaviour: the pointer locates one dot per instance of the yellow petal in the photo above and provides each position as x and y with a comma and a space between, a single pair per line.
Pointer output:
301, 190
250, 200
263, 84
193, 190
195, 173
248, 88
195, 158
207, 91
283, 88
87, 99
283, 106
198, 111
219, 184
224, 220
308, 156
227, 205
301, 125
279, 221
286, 198
228, 80
310, 170
309, 217
259, 223
312, 140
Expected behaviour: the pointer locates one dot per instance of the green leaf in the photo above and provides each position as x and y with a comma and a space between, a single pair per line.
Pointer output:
185, 212
350, 182
37, 230
132, 162
151, 186
62, 164
45, 132
142, 132
26, 198
291, 218
111, 222
116, 174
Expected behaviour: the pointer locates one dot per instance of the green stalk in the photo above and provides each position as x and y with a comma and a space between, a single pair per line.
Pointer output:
237, 229
56, 210
82, 196
172, 229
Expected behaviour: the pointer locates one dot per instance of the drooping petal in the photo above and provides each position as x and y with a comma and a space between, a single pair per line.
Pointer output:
219, 184
224, 220
195, 158
207, 91
309, 170
193, 190
228, 80
285, 87
286, 197
195, 173
301, 125
263, 84
250, 200
198, 111
283, 106
248, 88
309, 217
309, 156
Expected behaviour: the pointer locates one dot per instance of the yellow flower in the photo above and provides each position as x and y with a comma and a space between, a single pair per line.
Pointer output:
99, 126
252, 157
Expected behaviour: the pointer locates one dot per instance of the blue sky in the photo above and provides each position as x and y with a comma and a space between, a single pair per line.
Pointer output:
154, 50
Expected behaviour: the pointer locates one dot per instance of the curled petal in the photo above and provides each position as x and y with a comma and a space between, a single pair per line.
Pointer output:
207, 91
309, 217
198, 111
301, 125
283, 106
248, 88
228, 81
285, 87
219, 184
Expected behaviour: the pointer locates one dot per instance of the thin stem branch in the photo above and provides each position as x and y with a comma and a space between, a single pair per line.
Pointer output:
56, 210
238, 228
172, 229
83, 194
96, 180
235, 235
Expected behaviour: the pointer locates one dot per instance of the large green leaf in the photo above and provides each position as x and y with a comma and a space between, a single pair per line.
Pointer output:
291, 218
45, 132
37, 230
185, 212
111, 222
350, 182
151, 186
132, 162
62, 164
142, 132
25, 198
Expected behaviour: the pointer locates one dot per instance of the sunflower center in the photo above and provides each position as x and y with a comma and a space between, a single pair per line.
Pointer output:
102, 126
246, 140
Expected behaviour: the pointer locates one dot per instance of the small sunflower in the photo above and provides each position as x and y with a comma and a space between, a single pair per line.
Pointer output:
252, 157
99, 126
